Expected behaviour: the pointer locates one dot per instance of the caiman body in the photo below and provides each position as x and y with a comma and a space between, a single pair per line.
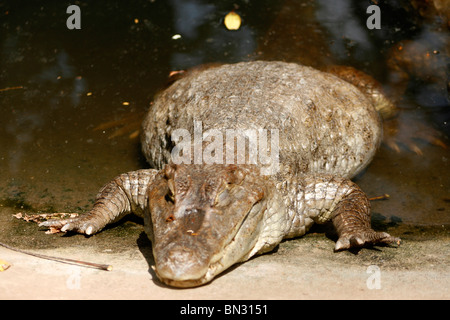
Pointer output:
203, 217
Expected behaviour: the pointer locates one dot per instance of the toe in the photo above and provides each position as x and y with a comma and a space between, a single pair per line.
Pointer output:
361, 239
58, 224
70, 225
343, 243
89, 230
67, 227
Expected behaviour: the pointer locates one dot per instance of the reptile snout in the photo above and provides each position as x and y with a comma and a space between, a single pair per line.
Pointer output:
181, 264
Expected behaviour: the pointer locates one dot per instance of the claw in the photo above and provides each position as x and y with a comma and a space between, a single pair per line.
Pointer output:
415, 148
406, 131
89, 230
66, 227
75, 225
128, 123
342, 244
360, 239
55, 223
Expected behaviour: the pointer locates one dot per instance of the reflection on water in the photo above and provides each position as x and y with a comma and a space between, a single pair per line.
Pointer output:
22, 131
345, 29
73, 80
203, 36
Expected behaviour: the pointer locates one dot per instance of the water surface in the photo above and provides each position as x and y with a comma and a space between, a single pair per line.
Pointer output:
57, 85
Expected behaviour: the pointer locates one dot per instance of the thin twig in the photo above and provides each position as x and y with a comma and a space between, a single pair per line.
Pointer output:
105, 267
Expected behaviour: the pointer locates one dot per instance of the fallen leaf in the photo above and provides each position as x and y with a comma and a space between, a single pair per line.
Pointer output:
38, 218
4, 265
18, 215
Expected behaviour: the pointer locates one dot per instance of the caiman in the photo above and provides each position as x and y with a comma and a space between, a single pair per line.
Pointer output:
208, 210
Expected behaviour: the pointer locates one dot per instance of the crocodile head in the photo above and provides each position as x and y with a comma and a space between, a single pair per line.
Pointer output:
203, 219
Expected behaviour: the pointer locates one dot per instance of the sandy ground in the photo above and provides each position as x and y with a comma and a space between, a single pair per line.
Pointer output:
305, 268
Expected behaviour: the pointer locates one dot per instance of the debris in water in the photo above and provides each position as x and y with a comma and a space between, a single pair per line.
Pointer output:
383, 197
11, 88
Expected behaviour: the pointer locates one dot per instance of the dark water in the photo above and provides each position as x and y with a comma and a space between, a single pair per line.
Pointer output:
57, 85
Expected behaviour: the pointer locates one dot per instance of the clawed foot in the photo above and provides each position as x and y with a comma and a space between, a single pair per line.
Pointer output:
127, 124
406, 131
360, 239
78, 224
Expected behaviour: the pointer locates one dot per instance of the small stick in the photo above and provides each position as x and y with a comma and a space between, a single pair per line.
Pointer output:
383, 197
105, 267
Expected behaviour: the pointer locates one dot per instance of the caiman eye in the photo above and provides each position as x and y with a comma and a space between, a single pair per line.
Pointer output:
223, 198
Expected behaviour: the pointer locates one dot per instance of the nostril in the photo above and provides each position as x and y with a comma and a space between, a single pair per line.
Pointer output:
195, 211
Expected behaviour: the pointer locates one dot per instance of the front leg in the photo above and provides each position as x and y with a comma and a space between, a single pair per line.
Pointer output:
126, 193
324, 198
351, 218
